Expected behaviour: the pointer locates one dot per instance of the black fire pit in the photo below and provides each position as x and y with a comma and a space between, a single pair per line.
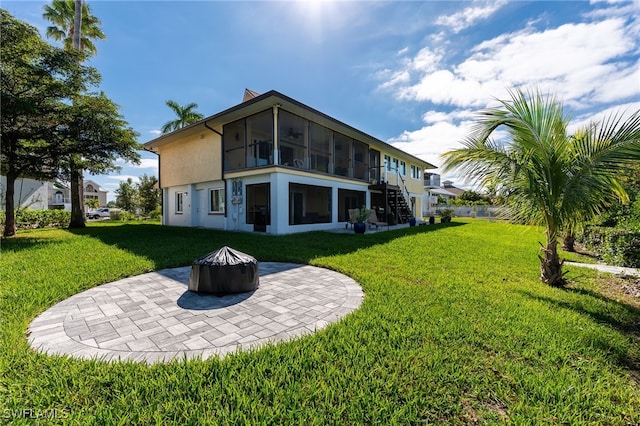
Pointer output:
224, 271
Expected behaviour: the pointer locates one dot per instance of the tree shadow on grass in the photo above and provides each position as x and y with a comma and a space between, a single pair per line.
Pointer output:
169, 246
15, 245
628, 322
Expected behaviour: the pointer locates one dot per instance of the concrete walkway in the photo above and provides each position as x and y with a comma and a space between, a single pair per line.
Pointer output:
154, 318
617, 270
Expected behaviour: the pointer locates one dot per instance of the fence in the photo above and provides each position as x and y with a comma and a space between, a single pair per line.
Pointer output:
489, 212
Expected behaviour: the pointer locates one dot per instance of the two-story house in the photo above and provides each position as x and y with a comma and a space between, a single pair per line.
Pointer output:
272, 164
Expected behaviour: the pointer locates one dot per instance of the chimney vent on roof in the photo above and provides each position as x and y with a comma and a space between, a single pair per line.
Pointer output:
249, 94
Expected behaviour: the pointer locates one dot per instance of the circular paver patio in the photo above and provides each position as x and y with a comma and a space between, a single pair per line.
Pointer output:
154, 318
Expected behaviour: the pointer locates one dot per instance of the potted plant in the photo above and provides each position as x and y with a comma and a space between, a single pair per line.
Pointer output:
361, 217
445, 215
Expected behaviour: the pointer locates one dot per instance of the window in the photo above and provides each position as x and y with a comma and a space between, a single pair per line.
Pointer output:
374, 165
348, 199
321, 148
248, 142
309, 204
403, 168
179, 202
216, 201
394, 165
415, 172
342, 148
293, 134
387, 161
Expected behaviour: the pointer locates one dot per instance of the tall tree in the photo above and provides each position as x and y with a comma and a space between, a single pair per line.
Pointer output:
61, 14
148, 194
127, 196
37, 82
74, 25
185, 115
551, 177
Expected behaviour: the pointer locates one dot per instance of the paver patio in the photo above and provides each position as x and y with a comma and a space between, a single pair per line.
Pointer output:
154, 318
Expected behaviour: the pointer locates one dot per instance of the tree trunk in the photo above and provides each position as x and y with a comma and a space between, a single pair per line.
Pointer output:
550, 264
77, 24
77, 212
9, 210
568, 242
77, 198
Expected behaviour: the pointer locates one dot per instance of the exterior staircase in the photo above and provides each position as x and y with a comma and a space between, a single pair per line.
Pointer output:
398, 204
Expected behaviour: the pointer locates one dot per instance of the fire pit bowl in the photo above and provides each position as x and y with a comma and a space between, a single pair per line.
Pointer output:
224, 271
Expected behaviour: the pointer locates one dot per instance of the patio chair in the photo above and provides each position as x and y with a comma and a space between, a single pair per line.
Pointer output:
373, 220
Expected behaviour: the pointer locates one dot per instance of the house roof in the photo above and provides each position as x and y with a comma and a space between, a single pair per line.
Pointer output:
85, 182
443, 191
455, 190
261, 102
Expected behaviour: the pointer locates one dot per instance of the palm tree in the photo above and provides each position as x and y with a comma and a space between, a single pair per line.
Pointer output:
61, 14
186, 115
550, 178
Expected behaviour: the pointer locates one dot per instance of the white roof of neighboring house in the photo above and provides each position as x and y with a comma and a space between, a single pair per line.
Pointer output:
441, 191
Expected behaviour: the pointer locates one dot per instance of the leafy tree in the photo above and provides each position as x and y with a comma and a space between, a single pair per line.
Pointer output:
37, 81
61, 14
553, 179
472, 196
127, 196
185, 115
148, 194
92, 203
629, 213
97, 131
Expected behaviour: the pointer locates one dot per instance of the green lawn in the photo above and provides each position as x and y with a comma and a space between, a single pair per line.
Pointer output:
455, 328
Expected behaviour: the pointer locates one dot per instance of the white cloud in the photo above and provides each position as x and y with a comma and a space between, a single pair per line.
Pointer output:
623, 111
573, 61
155, 132
148, 163
122, 178
145, 163
429, 142
469, 16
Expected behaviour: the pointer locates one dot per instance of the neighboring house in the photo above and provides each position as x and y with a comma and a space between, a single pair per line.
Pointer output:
93, 190
36, 194
28, 193
42, 195
272, 164
433, 189
59, 196
448, 186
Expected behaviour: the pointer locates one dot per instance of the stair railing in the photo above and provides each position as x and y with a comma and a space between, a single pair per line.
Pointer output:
405, 191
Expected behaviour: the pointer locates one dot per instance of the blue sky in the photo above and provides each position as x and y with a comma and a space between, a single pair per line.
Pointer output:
410, 73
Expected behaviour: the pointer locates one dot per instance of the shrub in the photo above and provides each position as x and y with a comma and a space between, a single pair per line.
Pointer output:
121, 215
31, 219
616, 246
156, 213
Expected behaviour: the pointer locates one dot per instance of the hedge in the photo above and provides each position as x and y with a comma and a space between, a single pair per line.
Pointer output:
31, 219
616, 246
